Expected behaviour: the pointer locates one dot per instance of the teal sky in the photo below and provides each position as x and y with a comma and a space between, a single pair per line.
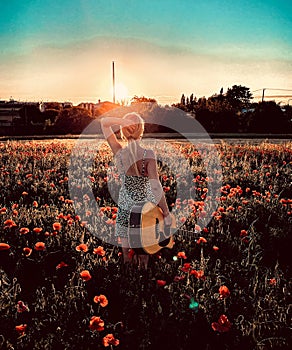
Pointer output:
161, 48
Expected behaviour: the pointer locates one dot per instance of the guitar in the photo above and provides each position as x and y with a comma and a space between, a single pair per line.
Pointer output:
147, 232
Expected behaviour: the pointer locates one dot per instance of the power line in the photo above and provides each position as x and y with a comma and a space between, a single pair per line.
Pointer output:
272, 89
273, 96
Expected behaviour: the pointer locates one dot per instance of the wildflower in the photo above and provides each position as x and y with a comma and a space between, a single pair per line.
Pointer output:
40, 246
215, 248
24, 193
37, 229
21, 328
102, 299
201, 240
57, 226
224, 292
178, 278
35, 204
9, 223
82, 248
3, 210
62, 264
197, 274
96, 324
243, 233
223, 324
161, 282
272, 281
85, 275
21, 307
23, 230
131, 253
99, 251
197, 228
109, 339
27, 251
186, 267
181, 255
4, 246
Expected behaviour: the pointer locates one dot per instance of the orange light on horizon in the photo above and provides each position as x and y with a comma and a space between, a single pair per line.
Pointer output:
121, 92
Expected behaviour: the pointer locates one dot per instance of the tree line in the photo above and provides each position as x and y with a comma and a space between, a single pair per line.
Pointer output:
230, 112
235, 112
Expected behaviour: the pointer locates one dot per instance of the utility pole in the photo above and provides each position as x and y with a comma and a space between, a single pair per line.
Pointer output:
263, 95
114, 87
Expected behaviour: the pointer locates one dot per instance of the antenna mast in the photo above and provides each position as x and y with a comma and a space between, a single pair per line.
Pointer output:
114, 87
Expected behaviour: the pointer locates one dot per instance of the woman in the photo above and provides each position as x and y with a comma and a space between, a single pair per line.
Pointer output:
138, 169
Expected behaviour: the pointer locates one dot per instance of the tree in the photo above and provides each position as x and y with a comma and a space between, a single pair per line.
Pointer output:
30, 113
183, 100
72, 120
269, 118
238, 97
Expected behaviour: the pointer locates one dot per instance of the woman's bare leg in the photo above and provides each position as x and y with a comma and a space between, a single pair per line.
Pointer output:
143, 261
127, 258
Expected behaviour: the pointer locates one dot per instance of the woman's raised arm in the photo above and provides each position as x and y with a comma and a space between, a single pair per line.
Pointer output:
109, 125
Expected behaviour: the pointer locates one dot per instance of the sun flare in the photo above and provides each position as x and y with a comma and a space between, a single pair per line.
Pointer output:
121, 92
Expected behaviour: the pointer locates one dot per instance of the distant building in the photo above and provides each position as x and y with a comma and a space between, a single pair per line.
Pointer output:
10, 111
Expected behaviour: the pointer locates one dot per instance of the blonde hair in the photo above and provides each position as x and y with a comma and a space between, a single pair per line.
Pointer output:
131, 134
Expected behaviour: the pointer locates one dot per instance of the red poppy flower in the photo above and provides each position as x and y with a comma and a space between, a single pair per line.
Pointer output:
27, 251
223, 324
243, 233
109, 339
186, 267
224, 292
23, 230
85, 275
178, 278
57, 226
201, 240
161, 282
21, 307
9, 223
37, 229
82, 248
197, 274
215, 248
99, 251
40, 246
181, 255
62, 264
21, 328
131, 253
198, 228
4, 246
272, 281
102, 299
96, 324
35, 204
3, 210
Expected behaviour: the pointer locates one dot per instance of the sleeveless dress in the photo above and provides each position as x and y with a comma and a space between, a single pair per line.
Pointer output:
134, 189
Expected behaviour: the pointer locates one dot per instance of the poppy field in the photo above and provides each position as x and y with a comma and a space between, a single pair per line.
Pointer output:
224, 285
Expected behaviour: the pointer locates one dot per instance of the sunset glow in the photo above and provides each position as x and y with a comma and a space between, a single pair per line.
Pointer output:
122, 93
160, 51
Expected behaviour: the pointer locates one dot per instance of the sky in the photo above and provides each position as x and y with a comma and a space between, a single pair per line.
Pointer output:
63, 50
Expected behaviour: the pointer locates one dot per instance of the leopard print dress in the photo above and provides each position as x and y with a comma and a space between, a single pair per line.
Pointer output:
134, 189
